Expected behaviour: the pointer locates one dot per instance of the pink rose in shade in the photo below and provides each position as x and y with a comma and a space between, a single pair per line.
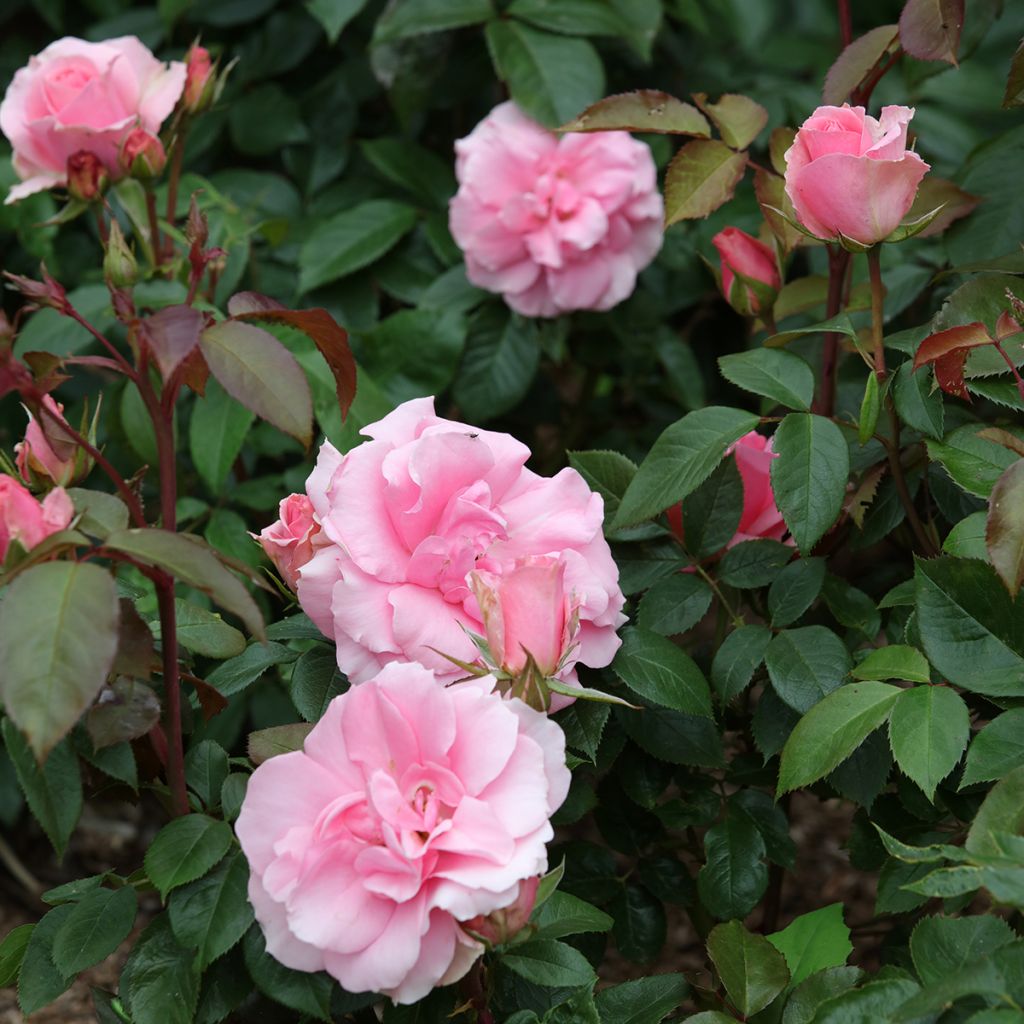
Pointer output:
37, 457
525, 611
554, 223
289, 542
504, 924
761, 518
78, 96
27, 521
743, 254
849, 174
406, 518
412, 808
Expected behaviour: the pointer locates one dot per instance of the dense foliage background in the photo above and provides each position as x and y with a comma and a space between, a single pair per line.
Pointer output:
325, 170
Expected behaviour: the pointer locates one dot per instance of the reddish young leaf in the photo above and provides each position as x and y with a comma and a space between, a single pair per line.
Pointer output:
319, 326
930, 29
645, 110
1004, 528
948, 350
251, 302
172, 334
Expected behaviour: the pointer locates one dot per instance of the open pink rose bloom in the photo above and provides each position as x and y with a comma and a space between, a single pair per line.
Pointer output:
412, 808
554, 223
850, 174
79, 96
408, 516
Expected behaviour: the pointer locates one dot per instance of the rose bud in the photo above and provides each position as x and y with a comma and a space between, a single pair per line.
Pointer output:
119, 266
750, 273
200, 81
27, 521
501, 925
142, 155
851, 176
289, 542
87, 177
42, 458
48, 292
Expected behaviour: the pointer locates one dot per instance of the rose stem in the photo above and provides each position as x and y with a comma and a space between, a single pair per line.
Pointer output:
838, 260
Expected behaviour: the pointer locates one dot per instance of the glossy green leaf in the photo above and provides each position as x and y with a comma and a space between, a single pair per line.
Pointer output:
564, 914
806, 664
39, 981
737, 659
752, 970
674, 604
734, 876
973, 462
550, 963
185, 849
160, 980
316, 681
781, 376
217, 431
643, 1001
997, 749
12, 953
941, 946
606, 472
739, 119
794, 590
712, 513
416, 16
231, 677
639, 927
754, 563
896, 661
658, 670
814, 942
206, 633
302, 991
645, 110
702, 176
96, 926
918, 404
206, 768
928, 729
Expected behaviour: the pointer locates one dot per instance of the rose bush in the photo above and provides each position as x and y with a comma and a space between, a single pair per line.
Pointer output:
554, 224
77, 96
411, 809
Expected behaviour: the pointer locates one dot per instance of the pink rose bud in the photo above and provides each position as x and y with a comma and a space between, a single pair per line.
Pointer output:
27, 521
75, 96
142, 155
48, 292
87, 177
745, 257
501, 925
525, 613
289, 542
849, 175
199, 80
551, 222
44, 457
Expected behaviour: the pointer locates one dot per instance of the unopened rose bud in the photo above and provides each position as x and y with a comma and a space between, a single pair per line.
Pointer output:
47, 455
87, 177
750, 273
501, 925
200, 81
143, 155
47, 292
119, 266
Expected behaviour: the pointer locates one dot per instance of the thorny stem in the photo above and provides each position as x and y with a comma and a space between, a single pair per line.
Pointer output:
737, 620
838, 261
862, 96
129, 496
1013, 368
845, 22
877, 301
126, 368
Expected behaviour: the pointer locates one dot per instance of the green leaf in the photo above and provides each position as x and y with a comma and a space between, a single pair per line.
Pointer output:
941, 946
928, 730
316, 681
997, 749
417, 16
851, 607
970, 628
854, 63
206, 768
12, 953
571, 17
216, 433
770, 821
302, 991
754, 563
644, 1001
734, 876
739, 119
794, 590
896, 661
194, 562
58, 638
967, 538
1004, 528
334, 15
675, 737
813, 942
255, 369
918, 405
212, 913
702, 176
206, 633
841, 324
659, 671
645, 110
96, 926
500, 360
870, 407
682, 458
806, 664
607, 473
550, 963
1001, 811
278, 739
564, 914
53, 791
101, 513
184, 849
160, 980
712, 513
640, 927
809, 475
737, 659
832, 730
39, 981
233, 676
550, 77
752, 970
265, 119
815, 990
674, 604
351, 240
973, 462
780, 376
412, 167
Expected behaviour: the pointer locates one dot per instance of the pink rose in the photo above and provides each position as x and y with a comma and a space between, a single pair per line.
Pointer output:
504, 924
79, 96
525, 611
412, 808
761, 517
289, 541
37, 456
848, 174
27, 521
554, 223
407, 517
742, 254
